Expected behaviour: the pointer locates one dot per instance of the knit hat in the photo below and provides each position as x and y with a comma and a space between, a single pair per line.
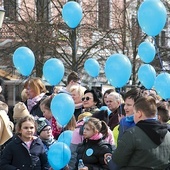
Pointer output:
85, 114
42, 122
20, 110
6, 130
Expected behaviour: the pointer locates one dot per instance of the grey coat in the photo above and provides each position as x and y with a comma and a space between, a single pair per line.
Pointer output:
146, 146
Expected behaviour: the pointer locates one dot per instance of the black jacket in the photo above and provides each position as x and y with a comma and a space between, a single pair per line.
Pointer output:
92, 152
36, 111
17, 156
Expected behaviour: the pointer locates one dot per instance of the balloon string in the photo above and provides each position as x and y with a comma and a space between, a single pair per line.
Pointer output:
120, 107
158, 53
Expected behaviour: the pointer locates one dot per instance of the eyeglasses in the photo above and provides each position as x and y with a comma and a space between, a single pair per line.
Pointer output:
85, 98
46, 130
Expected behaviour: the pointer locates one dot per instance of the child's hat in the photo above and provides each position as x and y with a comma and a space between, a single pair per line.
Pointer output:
85, 114
20, 110
42, 122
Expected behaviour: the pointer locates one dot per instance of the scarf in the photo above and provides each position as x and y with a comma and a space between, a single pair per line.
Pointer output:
48, 142
32, 102
96, 136
55, 129
78, 105
130, 118
91, 109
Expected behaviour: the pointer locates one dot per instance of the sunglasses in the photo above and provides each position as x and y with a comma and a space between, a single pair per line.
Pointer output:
85, 98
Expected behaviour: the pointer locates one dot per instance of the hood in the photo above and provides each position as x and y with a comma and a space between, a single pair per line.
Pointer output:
154, 129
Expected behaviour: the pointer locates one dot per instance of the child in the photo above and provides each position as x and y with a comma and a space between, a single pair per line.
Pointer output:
44, 131
25, 151
45, 108
93, 148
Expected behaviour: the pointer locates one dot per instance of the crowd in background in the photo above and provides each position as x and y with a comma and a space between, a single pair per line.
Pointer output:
131, 127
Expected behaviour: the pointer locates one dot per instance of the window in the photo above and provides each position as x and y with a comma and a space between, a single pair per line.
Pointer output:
10, 9
43, 7
103, 15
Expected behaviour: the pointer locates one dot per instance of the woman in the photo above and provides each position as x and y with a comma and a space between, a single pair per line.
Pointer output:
92, 101
77, 92
106, 93
36, 92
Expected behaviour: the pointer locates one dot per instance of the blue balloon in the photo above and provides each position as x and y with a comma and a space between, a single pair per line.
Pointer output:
106, 108
66, 137
24, 60
118, 70
62, 107
59, 155
152, 17
72, 14
53, 71
162, 84
146, 52
147, 75
92, 67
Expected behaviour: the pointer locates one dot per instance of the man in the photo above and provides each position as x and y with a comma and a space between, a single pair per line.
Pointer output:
146, 145
113, 102
130, 98
72, 79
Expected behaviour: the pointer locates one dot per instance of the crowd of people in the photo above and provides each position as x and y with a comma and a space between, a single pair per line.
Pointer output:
132, 133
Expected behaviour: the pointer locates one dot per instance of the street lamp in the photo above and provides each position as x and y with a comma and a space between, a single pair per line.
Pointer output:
2, 14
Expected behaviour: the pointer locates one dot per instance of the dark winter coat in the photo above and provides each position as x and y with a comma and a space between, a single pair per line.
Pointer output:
92, 153
113, 119
16, 155
144, 146
36, 110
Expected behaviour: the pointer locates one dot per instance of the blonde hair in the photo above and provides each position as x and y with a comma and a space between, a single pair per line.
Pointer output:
37, 85
24, 96
71, 124
79, 89
56, 89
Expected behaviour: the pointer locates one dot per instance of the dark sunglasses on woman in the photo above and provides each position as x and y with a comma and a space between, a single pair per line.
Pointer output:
85, 98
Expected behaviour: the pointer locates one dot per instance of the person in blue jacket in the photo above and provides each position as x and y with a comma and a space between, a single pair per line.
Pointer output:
130, 98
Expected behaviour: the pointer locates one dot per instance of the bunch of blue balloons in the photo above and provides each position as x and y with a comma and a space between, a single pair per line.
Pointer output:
152, 16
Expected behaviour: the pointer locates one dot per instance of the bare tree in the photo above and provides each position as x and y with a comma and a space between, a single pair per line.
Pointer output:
106, 28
